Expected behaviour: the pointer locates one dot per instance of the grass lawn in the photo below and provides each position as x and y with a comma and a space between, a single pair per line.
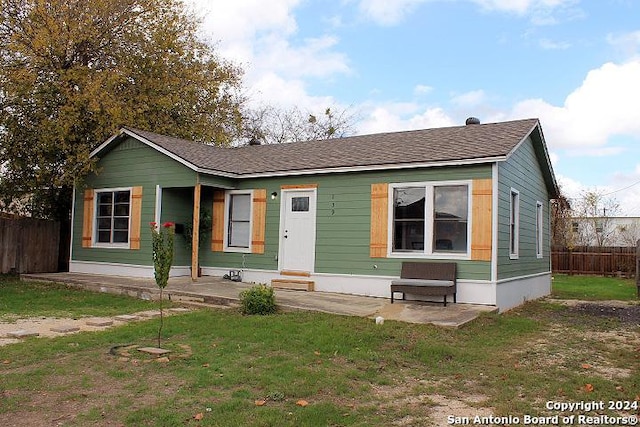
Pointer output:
313, 369
20, 299
594, 288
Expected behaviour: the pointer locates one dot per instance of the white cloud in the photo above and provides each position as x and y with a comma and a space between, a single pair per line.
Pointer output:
548, 44
392, 12
523, 6
314, 58
469, 99
402, 116
627, 43
386, 12
258, 36
422, 89
605, 105
278, 91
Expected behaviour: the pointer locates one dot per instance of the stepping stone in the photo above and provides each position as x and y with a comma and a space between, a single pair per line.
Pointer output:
179, 310
126, 317
154, 350
99, 322
150, 313
22, 333
65, 329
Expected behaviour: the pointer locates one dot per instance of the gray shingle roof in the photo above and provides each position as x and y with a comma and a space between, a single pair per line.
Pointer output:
438, 145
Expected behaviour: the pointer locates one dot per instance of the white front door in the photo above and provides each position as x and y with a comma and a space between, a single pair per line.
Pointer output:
298, 230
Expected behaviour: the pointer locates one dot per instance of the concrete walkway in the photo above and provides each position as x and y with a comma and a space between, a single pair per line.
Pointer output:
215, 291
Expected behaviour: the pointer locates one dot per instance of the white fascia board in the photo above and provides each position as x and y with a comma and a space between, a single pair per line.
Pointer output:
371, 168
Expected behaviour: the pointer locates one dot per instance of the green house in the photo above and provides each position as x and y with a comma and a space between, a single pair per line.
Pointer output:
334, 216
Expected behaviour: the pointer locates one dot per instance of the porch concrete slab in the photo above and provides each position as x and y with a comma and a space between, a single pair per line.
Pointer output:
216, 292
453, 315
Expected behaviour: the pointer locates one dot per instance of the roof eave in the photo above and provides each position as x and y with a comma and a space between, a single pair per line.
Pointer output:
372, 168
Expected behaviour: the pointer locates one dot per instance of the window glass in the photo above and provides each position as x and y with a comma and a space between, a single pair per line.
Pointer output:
514, 223
450, 212
539, 229
112, 218
409, 219
300, 204
239, 227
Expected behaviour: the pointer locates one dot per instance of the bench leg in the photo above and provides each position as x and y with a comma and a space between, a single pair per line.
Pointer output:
454, 297
391, 297
445, 300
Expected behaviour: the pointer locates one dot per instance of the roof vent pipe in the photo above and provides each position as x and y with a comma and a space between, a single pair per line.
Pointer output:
472, 121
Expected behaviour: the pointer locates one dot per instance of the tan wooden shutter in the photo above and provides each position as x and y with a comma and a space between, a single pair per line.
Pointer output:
136, 217
217, 220
258, 226
87, 219
481, 234
379, 220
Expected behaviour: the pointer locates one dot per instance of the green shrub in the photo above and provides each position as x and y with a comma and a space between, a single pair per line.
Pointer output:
259, 299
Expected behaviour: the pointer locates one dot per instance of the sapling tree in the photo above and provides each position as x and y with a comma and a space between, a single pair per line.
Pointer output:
162, 244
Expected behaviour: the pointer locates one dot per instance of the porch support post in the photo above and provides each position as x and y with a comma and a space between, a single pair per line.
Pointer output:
195, 242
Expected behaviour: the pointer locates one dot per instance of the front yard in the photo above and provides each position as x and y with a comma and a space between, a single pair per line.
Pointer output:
308, 369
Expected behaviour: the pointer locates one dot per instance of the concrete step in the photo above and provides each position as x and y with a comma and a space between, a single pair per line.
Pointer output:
294, 284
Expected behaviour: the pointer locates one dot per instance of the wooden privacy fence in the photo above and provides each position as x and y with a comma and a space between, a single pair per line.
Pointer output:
602, 261
29, 245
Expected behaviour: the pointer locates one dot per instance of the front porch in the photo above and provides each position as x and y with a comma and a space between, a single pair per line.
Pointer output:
214, 291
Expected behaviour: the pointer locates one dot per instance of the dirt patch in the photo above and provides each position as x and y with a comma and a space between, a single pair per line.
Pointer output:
625, 312
427, 408
55, 327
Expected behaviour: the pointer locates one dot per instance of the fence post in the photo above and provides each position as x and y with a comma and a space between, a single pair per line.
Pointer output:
638, 267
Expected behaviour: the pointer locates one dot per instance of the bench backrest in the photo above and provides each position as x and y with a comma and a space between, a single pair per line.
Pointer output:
429, 270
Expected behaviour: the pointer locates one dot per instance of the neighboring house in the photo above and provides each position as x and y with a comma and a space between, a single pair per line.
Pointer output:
605, 231
338, 215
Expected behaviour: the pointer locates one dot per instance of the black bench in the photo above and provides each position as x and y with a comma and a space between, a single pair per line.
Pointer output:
426, 278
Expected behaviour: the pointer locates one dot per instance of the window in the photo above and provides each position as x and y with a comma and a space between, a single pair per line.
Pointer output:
451, 206
430, 218
514, 224
239, 221
300, 204
539, 229
112, 217
409, 219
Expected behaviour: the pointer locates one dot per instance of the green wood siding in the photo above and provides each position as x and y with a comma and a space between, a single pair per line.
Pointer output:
343, 222
177, 207
130, 163
522, 172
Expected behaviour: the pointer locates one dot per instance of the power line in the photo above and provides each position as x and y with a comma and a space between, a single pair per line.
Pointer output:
621, 189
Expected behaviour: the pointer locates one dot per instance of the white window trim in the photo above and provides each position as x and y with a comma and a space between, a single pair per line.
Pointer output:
514, 212
227, 204
539, 229
94, 237
428, 244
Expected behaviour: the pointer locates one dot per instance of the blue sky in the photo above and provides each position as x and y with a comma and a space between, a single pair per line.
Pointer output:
412, 64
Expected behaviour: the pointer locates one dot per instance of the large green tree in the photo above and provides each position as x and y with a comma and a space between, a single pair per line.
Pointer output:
74, 71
